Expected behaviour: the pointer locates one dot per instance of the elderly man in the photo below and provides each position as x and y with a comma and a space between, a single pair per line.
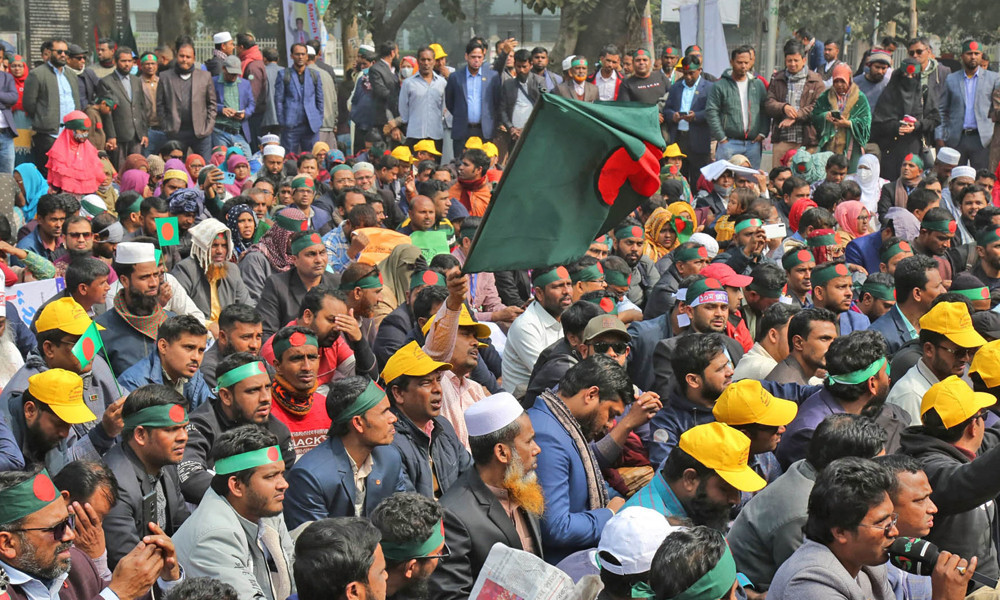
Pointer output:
210, 277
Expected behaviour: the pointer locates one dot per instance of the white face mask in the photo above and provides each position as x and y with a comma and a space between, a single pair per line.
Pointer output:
406, 71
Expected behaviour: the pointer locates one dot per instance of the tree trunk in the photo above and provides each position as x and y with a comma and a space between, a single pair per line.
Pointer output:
386, 27
571, 22
349, 41
616, 22
173, 18
104, 19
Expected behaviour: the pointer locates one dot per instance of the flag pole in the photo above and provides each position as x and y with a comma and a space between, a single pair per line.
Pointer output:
107, 359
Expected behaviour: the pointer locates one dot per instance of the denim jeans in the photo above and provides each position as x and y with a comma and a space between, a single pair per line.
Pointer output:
747, 148
156, 140
6, 153
223, 138
200, 146
299, 138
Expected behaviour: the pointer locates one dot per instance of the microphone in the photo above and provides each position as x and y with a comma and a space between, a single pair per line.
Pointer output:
918, 557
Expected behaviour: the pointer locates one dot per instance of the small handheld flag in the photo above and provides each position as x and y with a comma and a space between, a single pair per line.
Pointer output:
168, 232
87, 347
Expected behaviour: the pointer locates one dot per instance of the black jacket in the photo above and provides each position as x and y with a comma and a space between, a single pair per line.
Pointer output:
282, 296
534, 87
440, 457
664, 371
549, 369
385, 91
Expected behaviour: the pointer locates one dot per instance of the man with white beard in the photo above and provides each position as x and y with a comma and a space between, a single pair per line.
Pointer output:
500, 500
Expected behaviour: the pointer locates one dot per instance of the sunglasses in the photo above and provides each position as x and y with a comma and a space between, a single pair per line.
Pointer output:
58, 530
60, 51
916, 52
618, 347
80, 234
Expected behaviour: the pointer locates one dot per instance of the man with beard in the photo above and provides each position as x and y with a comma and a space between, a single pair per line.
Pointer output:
832, 290
538, 326
703, 477
873, 81
351, 472
294, 400
137, 314
433, 456
987, 269
185, 103
145, 466
810, 334
948, 342
237, 530
273, 158
240, 330
591, 394
629, 239
176, 362
499, 500
284, 290
243, 397
413, 542
37, 551
857, 382
108, 233
362, 285
211, 279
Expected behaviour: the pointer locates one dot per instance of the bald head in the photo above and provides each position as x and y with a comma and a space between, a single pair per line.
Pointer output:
422, 213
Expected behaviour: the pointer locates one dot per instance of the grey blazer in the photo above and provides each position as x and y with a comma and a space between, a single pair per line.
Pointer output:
953, 107
127, 123
202, 102
41, 97
565, 89
814, 572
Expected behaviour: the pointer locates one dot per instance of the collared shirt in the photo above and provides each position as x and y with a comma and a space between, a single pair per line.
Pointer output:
337, 248
421, 106
516, 514
458, 394
474, 95
969, 122
36, 589
522, 107
125, 83
606, 87
360, 474
909, 326
533, 331
66, 102
687, 99
658, 496
910, 389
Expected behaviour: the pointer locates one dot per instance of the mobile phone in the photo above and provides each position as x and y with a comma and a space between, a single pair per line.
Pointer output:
148, 509
228, 178
835, 114
775, 231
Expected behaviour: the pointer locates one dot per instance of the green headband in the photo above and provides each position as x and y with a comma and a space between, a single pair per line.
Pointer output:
289, 224
551, 276
92, 208
605, 303
231, 378
371, 281
617, 278
797, 258
988, 236
827, 239
161, 415
747, 223
821, 277
302, 183
693, 253
716, 583
879, 291
577, 62
432, 278
77, 124
913, 158
629, 231
136, 206
982, 293
592, 273
939, 226
27, 497
397, 552
895, 249
860, 376
304, 242
247, 460
293, 341
372, 395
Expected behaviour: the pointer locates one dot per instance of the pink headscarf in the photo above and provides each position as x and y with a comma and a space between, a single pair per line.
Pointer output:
237, 188
176, 163
134, 180
847, 213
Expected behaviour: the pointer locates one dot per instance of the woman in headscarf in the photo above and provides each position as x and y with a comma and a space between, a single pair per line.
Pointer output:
811, 167
668, 228
904, 117
242, 224
868, 179
670, 174
19, 71
155, 168
135, 161
794, 240
32, 186
194, 163
270, 254
73, 164
238, 166
176, 164
107, 190
135, 180
396, 270
842, 117
218, 155
854, 220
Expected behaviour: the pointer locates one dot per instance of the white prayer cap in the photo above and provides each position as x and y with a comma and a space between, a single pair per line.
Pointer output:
222, 37
632, 537
310, 50
92, 205
963, 171
270, 138
360, 166
708, 242
567, 62
134, 253
272, 150
492, 413
948, 156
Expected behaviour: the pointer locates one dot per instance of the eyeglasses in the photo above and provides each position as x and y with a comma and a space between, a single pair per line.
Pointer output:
80, 234
959, 352
196, 166
58, 530
887, 528
445, 553
618, 347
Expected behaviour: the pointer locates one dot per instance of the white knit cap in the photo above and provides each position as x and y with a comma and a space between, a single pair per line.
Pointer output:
948, 156
492, 413
963, 171
272, 150
134, 253
270, 138
222, 37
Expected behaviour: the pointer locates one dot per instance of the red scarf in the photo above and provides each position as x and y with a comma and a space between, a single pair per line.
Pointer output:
469, 186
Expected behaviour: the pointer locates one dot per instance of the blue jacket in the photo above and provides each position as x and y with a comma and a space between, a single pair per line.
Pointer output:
699, 135
567, 525
454, 98
893, 329
677, 416
864, 251
8, 98
321, 484
147, 371
24, 339
853, 321
296, 104
440, 457
816, 58
247, 103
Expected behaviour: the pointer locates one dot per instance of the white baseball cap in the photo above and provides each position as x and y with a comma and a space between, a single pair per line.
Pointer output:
567, 62
222, 37
631, 538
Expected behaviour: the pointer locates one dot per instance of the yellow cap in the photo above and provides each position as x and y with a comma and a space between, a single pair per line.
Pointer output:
410, 360
954, 401
986, 362
952, 320
724, 450
464, 320
64, 314
673, 151
474, 142
62, 391
491, 150
402, 154
426, 146
745, 402
438, 51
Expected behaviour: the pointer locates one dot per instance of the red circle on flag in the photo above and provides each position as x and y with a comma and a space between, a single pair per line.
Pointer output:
314, 238
637, 232
905, 246
88, 348
272, 454
998, 231
908, 157
303, 225
629, 280
952, 226
600, 269
606, 305
801, 167
713, 284
560, 271
167, 231
804, 256
984, 293
43, 489
974, 46
840, 269
176, 413
911, 69
297, 339
429, 277
702, 252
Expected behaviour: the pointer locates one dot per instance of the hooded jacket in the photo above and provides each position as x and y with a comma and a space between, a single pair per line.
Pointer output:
439, 457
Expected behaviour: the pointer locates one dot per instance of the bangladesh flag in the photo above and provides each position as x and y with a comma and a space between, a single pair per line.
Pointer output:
87, 347
578, 169
167, 231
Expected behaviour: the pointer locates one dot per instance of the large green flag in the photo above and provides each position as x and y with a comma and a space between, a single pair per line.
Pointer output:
577, 170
